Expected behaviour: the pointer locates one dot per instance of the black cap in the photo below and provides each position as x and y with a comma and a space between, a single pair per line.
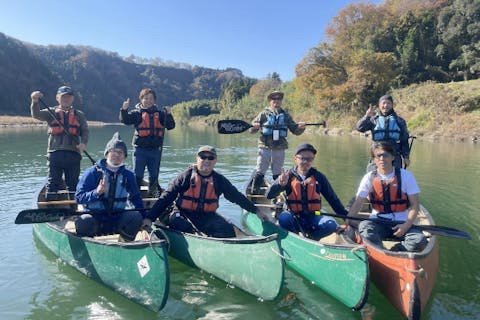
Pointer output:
304, 147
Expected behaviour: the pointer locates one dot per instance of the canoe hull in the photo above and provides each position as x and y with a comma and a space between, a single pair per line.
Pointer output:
250, 263
406, 278
137, 270
340, 270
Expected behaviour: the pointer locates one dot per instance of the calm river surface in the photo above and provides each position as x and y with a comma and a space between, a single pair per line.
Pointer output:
35, 285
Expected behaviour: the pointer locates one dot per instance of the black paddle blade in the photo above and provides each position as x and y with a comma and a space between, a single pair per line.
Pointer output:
43, 215
445, 231
232, 126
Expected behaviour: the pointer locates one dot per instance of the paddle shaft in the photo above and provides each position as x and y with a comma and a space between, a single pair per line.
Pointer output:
238, 126
192, 224
43, 215
438, 230
279, 126
63, 127
411, 138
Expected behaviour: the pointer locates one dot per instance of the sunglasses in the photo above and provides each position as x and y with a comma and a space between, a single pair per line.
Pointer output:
383, 155
308, 159
204, 157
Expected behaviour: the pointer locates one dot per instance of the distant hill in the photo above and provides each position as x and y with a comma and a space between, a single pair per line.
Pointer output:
102, 80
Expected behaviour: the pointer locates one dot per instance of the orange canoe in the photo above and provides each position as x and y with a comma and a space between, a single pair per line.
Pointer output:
406, 278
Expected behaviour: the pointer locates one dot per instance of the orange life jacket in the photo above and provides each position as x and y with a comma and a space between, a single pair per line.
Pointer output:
304, 196
387, 196
150, 125
73, 125
200, 196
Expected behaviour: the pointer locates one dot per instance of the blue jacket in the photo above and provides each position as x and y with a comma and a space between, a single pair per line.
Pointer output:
126, 189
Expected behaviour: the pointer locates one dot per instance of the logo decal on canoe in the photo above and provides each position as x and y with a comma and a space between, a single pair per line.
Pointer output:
143, 266
332, 256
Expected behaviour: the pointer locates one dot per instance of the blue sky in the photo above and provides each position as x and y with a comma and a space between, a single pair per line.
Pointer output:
258, 37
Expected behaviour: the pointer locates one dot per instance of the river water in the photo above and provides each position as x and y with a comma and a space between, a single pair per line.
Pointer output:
36, 285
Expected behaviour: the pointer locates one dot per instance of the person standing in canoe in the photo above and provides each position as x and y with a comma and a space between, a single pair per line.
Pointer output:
195, 193
394, 196
67, 139
304, 186
150, 122
274, 123
386, 125
104, 190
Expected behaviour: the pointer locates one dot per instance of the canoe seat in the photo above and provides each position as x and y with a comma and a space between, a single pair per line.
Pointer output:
109, 237
255, 196
333, 238
389, 244
70, 226
141, 235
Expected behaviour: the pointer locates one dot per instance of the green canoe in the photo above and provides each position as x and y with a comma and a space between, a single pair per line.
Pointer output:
336, 266
251, 263
137, 270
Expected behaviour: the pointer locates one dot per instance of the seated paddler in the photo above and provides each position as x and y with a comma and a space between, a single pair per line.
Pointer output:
303, 187
104, 191
393, 194
195, 195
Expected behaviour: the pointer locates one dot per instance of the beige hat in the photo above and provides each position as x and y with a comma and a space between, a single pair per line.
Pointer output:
208, 149
275, 94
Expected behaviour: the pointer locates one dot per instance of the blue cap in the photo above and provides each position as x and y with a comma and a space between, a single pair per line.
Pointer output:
64, 90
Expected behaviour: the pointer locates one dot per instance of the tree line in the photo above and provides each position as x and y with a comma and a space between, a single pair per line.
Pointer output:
375, 49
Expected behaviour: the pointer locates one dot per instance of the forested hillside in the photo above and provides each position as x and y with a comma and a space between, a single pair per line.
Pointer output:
426, 53
101, 80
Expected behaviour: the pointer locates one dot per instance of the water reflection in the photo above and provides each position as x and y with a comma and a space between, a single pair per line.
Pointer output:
37, 286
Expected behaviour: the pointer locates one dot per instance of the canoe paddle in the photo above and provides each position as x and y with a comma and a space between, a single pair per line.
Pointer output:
63, 127
438, 230
42, 215
238, 126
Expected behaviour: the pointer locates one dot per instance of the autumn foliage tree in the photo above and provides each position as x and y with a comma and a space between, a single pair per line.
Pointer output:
374, 48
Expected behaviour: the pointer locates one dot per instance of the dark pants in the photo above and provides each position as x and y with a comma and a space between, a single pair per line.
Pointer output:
126, 223
313, 226
212, 224
63, 162
413, 240
149, 158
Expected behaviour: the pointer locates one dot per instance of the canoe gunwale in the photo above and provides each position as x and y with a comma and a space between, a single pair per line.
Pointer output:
249, 239
130, 244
